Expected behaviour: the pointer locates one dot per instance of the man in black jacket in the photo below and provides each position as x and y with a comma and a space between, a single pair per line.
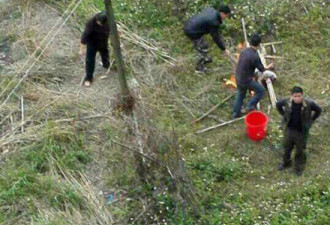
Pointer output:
208, 21
299, 114
248, 62
95, 39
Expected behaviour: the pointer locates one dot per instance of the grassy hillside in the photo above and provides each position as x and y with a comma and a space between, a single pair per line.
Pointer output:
75, 161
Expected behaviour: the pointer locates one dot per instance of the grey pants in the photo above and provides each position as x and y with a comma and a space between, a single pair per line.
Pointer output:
202, 49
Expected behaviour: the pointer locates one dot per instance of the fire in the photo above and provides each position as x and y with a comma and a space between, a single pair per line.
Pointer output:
231, 82
240, 46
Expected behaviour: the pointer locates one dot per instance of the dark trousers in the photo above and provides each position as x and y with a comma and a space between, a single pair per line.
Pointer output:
241, 94
202, 48
90, 59
296, 139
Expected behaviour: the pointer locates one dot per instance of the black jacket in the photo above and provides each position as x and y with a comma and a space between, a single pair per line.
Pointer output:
96, 35
248, 61
208, 21
284, 107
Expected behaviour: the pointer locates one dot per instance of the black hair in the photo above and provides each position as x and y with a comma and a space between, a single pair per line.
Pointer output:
225, 9
102, 18
255, 39
296, 90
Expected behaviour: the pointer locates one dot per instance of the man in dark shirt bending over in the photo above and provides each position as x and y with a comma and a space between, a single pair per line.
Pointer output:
208, 21
95, 39
248, 62
299, 114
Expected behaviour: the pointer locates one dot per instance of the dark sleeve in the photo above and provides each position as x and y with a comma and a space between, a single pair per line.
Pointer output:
317, 110
87, 32
279, 106
259, 65
214, 31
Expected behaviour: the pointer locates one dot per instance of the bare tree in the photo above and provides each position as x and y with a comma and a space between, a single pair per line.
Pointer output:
127, 99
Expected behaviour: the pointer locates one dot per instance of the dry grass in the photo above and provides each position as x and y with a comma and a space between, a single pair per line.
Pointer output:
167, 97
52, 95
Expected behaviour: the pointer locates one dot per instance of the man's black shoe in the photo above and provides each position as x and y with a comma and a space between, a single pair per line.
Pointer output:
202, 70
282, 166
208, 60
299, 172
246, 111
236, 116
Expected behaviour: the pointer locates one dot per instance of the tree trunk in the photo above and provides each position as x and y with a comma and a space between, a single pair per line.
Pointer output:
126, 97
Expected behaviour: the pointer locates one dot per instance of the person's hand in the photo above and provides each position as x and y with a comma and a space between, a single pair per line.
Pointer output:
270, 66
226, 52
82, 51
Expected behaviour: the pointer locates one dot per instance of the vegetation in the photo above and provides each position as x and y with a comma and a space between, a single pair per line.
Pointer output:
78, 160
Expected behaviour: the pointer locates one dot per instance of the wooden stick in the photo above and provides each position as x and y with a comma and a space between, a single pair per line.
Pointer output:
188, 110
213, 108
262, 55
274, 49
273, 57
271, 92
272, 43
219, 125
269, 109
22, 113
216, 118
269, 83
81, 119
245, 35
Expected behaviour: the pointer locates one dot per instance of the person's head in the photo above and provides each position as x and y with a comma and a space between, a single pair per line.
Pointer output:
255, 39
101, 18
297, 94
224, 11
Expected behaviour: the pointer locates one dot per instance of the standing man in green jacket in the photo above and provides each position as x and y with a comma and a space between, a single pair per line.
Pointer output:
299, 114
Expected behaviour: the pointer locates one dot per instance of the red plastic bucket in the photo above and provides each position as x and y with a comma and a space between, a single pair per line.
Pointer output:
256, 125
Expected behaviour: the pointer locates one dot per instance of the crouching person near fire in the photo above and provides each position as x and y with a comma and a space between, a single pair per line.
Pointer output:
299, 114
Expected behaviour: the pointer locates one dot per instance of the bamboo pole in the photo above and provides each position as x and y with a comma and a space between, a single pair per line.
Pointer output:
245, 35
269, 83
219, 125
213, 109
272, 43
273, 57
22, 113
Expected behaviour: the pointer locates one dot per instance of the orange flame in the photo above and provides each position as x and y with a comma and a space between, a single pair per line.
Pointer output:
241, 45
231, 82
